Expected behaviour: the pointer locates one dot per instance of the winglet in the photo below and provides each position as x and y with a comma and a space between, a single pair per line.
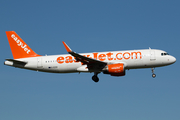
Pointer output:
67, 47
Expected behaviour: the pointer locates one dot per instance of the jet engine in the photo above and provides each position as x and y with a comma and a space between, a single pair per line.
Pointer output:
114, 69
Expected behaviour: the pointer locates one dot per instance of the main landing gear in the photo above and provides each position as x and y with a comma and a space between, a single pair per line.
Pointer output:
153, 75
95, 77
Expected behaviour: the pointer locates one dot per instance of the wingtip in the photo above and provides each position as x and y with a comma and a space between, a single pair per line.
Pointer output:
66, 46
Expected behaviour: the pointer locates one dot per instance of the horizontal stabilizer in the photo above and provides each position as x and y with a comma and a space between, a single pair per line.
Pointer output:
17, 62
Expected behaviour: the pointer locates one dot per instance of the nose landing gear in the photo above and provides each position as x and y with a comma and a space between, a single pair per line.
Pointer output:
153, 75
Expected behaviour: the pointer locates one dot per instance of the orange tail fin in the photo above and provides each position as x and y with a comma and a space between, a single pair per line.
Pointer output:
18, 47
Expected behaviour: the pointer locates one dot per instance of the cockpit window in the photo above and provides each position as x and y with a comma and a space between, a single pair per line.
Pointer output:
163, 54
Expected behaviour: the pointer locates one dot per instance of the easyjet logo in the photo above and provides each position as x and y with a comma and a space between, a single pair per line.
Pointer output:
102, 57
20, 44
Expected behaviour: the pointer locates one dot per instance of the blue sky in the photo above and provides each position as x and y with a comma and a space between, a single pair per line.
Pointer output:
90, 26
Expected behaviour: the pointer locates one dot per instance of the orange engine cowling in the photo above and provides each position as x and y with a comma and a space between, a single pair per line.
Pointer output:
114, 69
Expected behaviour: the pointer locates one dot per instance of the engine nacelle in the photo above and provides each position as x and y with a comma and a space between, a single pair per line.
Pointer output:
114, 69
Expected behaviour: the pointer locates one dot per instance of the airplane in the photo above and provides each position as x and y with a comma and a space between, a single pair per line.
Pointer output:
114, 63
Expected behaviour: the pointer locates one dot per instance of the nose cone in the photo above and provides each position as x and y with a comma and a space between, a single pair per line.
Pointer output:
173, 59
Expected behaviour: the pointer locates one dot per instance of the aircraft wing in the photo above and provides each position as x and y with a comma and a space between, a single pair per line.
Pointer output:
90, 62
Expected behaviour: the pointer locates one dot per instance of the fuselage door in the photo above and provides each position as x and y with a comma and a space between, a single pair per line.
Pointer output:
152, 55
39, 63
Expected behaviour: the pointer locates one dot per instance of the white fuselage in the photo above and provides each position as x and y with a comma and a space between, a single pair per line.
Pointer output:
132, 59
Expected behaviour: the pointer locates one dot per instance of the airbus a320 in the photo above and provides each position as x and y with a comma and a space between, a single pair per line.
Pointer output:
114, 63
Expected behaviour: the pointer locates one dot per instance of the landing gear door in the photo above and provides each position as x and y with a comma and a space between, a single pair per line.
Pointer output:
39, 63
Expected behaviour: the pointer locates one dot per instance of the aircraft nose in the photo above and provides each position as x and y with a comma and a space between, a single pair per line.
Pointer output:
173, 59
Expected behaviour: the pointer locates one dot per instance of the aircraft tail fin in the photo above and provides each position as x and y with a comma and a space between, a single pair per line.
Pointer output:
18, 47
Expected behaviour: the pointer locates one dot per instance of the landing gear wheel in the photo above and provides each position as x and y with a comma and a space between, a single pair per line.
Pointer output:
95, 78
153, 75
